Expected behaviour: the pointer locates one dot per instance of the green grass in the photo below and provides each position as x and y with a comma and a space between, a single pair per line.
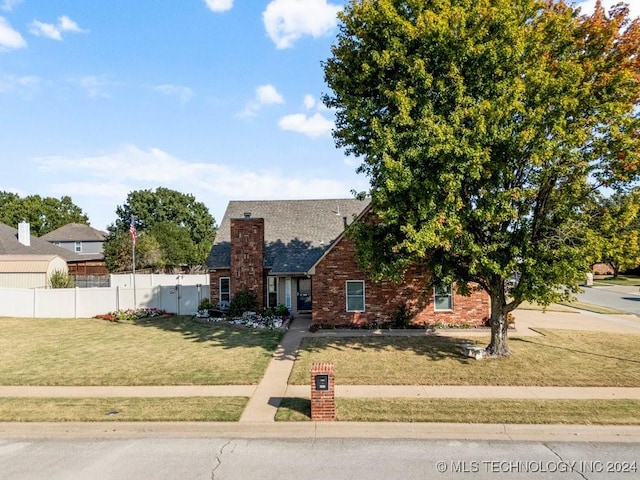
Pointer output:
594, 308
184, 409
554, 307
161, 351
628, 280
455, 410
559, 358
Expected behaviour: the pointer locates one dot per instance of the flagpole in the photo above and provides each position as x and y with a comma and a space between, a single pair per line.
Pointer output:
132, 229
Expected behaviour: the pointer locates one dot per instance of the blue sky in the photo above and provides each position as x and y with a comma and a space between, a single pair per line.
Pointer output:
216, 98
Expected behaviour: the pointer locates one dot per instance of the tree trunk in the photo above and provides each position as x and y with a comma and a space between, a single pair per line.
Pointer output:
498, 321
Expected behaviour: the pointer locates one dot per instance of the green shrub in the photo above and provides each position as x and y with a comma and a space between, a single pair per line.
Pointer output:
205, 304
243, 301
61, 279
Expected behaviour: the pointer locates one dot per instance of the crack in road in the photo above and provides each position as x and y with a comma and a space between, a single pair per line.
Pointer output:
548, 447
218, 459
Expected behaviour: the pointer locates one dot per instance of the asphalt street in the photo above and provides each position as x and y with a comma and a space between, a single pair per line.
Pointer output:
306, 459
609, 297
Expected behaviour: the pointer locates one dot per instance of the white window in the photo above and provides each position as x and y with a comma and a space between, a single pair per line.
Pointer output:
355, 295
443, 297
78, 247
224, 295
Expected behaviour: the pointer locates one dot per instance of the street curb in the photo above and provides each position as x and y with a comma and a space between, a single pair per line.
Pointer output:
322, 430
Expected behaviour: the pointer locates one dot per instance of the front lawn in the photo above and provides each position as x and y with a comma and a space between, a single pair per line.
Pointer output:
159, 351
559, 358
627, 280
183, 409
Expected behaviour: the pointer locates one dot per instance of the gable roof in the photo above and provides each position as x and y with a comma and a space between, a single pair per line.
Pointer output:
26, 263
75, 232
297, 232
9, 245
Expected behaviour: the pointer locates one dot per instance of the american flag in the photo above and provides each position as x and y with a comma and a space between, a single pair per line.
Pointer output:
132, 230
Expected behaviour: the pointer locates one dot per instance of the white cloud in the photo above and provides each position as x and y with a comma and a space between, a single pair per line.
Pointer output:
111, 176
288, 20
24, 84
313, 126
268, 95
265, 95
7, 5
219, 5
9, 38
94, 86
183, 93
54, 31
309, 102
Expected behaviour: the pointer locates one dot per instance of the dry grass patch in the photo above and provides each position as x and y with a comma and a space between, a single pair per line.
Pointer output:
183, 409
559, 358
160, 351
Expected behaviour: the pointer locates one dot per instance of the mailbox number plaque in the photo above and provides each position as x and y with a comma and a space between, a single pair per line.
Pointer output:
322, 382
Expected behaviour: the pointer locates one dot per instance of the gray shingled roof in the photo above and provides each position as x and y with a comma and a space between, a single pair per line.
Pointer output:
297, 232
75, 232
9, 245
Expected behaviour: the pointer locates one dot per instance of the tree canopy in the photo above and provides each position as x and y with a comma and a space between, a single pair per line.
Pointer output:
484, 127
43, 214
616, 231
173, 230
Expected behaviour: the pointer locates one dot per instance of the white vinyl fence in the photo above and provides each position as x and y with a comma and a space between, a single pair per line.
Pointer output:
155, 279
88, 302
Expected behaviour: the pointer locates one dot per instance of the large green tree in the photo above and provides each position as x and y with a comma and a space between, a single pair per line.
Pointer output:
484, 126
44, 214
173, 230
616, 231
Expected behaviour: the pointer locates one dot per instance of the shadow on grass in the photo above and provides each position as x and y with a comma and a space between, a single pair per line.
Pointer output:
572, 350
434, 347
293, 409
218, 334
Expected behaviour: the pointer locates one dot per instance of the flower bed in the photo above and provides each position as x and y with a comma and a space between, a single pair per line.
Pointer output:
248, 320
133, 315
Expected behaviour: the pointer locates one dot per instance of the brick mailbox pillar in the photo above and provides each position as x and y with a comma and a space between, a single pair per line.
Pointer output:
323, 401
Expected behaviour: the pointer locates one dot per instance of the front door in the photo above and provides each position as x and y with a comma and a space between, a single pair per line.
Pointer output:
304, 294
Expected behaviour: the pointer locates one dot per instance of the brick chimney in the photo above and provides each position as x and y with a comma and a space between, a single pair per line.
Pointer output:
247, 256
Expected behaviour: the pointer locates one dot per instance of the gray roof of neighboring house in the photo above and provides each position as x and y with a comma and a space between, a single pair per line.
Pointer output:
75, 232
297, 232
9, 245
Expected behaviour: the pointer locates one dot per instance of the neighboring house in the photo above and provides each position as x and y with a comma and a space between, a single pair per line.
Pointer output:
29, 271
294, 252
26, 261
86, 242
20, 242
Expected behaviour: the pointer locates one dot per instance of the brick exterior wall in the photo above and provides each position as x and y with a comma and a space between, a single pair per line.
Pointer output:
323, 402
247, 256
384, 299
214, 284
247, 260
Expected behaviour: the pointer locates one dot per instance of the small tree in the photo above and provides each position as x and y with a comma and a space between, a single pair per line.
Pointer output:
61, 279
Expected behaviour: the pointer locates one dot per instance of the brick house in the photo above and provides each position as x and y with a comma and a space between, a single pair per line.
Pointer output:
295, 253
